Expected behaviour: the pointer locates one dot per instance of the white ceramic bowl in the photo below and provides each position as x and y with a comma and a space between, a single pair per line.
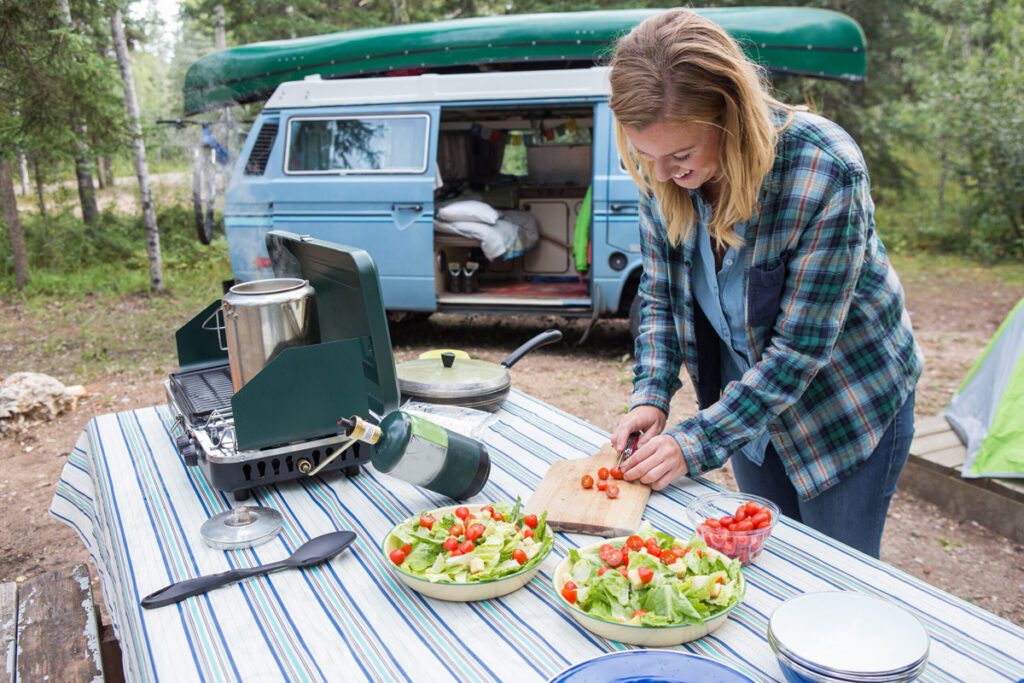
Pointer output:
648, 636
459, 592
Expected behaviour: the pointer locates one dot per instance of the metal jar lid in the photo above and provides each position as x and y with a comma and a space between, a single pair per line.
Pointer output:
846, 636
451, 378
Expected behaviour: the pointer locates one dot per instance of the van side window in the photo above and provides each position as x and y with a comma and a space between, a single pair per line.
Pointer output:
356, 145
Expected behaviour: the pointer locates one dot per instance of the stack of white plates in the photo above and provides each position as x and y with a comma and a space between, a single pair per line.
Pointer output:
839, 637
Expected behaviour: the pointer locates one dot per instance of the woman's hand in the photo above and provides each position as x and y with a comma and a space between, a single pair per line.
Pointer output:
645, 419
659, 462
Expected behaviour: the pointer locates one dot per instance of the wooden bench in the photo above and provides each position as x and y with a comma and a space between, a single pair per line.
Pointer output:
49, 630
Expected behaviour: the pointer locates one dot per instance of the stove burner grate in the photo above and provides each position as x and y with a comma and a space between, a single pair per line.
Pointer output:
203, 391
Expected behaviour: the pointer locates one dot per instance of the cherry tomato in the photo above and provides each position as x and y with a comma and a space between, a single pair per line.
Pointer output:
753, 508
601, 571
718, 579
745, 525
469, 518
726, 521
456, 530
451, 544
461, 512
679, 550
634, 542
602, 485
741, 513
763, 524
570, 585
731, 527
654, 551
466, 547
498, 517
587, 481
613, 491
519, 556
645, 574
488, 508
407, 548
427, 521
668, 558
651, 542
474, 532
614, 558
639, 613
456, 552
530, 521
604, 550
713, 523
569, 594
527, 532
625, 557
397, 556
602, 473
763, 516
623, 572
616, 472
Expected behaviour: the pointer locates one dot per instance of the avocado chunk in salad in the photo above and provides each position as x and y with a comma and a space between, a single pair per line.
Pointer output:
473, 543
653, 579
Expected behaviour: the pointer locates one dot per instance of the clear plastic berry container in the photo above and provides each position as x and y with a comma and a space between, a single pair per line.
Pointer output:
713, 513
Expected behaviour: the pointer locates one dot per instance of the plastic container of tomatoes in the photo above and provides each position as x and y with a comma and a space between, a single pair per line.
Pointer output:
735, 524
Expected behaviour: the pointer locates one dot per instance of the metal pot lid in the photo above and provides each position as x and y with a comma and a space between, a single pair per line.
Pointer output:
450, 377
850, 635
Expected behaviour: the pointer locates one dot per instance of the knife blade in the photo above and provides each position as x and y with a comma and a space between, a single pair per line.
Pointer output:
628, 450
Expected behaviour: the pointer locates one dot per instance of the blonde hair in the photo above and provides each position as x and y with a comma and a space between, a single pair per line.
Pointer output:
678, 66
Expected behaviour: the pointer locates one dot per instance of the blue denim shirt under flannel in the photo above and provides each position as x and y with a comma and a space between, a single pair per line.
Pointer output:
831, 350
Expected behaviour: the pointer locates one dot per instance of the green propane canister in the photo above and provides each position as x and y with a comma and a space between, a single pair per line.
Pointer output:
423, 453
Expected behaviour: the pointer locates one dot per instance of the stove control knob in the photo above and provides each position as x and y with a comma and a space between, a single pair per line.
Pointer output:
187, 450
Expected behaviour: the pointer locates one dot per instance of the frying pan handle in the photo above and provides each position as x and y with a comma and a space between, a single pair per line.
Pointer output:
542, 339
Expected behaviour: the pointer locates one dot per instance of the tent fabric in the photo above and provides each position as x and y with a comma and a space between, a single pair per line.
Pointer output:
987, 411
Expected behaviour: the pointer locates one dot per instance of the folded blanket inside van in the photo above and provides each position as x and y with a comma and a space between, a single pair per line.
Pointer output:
512, 235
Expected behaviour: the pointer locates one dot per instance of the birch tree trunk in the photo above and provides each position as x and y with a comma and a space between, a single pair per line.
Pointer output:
83, 167
156, 276
23, 167
14, 228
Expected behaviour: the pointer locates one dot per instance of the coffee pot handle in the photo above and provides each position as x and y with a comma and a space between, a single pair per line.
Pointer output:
218, 316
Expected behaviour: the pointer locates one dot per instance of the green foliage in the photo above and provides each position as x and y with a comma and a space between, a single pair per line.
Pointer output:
66, 258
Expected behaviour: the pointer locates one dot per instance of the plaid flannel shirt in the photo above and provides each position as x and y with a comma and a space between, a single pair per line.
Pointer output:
832, 352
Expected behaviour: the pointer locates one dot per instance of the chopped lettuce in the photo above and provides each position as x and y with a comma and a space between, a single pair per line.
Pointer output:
492, 554
686, 590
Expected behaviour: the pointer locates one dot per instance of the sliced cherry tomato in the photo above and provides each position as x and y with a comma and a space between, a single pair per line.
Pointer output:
654, 551
678, 550
456, 530
605, 549
601, 570
613, 491
602, 473
397, 556
645, 574
498, 517
616, 473
488, 508
718, 579
527, 532
474, 532
602, 485
466, 547
530, 521
587, 481
519, 555
634, 542
668, 558
451, 544
753, 508
570, 585
427, 521
469, 518
614, 558
639, 613
461, 512
407, 548
569, 594
456, 552
625, 557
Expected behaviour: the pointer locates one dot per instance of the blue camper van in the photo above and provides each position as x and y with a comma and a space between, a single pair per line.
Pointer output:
493, 187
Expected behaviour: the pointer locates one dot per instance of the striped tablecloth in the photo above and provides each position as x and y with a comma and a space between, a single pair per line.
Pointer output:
127, 492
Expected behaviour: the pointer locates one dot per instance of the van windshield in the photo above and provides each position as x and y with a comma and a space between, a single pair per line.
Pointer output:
379, 144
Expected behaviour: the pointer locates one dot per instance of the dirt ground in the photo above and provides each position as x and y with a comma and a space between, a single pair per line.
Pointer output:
955, 311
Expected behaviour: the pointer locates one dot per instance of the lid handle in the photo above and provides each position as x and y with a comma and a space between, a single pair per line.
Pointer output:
448, 359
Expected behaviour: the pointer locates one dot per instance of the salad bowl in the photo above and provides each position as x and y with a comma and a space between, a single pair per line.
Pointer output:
650, 634
452, 578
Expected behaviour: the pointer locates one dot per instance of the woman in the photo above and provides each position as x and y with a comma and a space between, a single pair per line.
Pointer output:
764, 276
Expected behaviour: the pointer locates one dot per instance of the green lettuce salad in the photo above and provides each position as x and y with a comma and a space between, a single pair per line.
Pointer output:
434, 545
653, 579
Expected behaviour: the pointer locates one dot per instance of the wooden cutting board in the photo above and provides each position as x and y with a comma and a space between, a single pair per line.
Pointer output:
572, 508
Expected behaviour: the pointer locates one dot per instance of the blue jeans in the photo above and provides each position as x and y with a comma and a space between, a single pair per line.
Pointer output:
854, 510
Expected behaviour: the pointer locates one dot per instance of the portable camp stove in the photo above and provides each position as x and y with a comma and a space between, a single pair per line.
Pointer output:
282, 424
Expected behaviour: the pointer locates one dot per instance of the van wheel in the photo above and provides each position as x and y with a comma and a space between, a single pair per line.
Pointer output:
634, 317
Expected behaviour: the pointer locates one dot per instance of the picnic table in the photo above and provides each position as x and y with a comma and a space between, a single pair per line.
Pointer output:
138, 508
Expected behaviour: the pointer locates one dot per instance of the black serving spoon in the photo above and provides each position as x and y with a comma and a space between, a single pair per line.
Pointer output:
312, 552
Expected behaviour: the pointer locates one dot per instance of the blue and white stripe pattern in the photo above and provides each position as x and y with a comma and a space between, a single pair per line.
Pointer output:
138, 508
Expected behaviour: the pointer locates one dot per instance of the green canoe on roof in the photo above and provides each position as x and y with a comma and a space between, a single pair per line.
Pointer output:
811, 42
